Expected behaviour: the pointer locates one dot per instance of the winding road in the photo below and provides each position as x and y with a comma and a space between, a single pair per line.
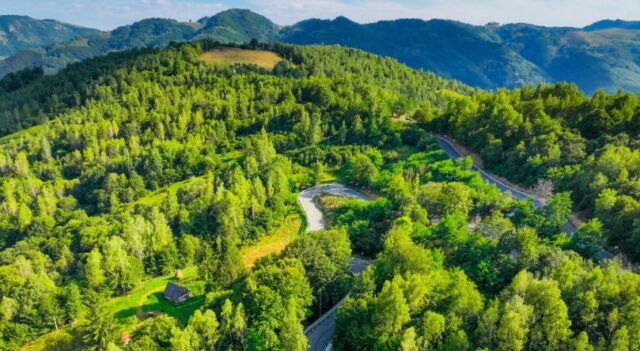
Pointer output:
568, 228
320, 332
451, 151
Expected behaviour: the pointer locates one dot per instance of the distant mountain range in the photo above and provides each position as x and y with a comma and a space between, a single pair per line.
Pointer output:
22, 32
603, 55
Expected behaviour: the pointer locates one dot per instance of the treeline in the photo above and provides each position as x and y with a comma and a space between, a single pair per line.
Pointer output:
585, 145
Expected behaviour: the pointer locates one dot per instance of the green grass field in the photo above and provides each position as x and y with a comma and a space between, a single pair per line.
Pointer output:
156, 302
128, 309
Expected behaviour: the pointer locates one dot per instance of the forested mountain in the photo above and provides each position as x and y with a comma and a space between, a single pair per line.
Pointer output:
232, 26
613, 24
153, 166
238, 26
604, 55
20, 32
210, 140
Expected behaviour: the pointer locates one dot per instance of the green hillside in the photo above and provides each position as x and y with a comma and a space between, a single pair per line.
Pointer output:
186, 161
183, 165
493, 56
233, 26
22, 32
238, 26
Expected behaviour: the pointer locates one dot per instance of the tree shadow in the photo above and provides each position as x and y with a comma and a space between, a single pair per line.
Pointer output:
126, 313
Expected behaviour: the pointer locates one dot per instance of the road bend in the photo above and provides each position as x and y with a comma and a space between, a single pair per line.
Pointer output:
320, 333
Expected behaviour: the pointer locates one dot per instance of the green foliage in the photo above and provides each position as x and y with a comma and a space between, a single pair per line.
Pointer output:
273, 290
167, 162
325, 256
585, 146
366, 223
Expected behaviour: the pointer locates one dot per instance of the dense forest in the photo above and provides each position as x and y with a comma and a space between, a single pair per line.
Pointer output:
585, 145
145, 164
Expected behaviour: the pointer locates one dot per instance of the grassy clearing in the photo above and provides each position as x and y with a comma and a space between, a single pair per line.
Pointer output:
328, 204
273, 243
128, 308
399, 154
156, 198
451, 93
155, 302
335, 174
230, 56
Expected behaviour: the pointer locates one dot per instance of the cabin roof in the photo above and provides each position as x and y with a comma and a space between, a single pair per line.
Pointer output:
174, 291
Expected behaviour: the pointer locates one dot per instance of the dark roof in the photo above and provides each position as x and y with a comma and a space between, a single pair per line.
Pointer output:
175, 291
603, 255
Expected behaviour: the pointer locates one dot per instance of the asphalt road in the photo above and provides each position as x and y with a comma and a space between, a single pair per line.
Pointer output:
453, 153
315, 221
320, 333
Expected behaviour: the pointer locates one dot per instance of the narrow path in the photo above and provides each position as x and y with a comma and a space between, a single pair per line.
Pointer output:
320, 333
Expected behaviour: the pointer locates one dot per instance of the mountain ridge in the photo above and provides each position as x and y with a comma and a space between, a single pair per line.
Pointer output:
19, 32
605, 54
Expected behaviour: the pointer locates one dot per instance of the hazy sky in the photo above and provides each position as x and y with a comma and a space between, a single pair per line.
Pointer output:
108, 14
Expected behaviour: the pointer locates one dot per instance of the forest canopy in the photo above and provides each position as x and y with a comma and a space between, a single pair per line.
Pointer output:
128, 171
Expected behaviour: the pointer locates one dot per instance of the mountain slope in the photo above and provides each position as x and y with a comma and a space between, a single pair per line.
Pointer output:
163, 168
471, 54
604, 55
604, 58
154, 32
21, 32
610, 24
232, 26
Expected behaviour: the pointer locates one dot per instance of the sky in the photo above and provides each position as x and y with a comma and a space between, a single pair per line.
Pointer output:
108, 14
